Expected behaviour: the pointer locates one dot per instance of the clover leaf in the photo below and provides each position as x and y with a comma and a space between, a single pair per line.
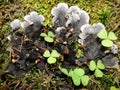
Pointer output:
98, 73
77, 76
55, 53
107, 43
78, 71
51, 56
106, 37
100, 65
76, 79
46, 53
85, 80
51, 34
49, 37
102, 34
70, 73
114, 88
112, 36
51, 60
63, 70
43, 34
92, 65
96, 67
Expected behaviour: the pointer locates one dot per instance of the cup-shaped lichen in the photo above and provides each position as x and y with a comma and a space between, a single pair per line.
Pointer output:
69, 18
33, 25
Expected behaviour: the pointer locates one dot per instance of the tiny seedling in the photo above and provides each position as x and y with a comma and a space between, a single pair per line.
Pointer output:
51, 57
79, 53
107, 38
49, 37
78, 76
96, 68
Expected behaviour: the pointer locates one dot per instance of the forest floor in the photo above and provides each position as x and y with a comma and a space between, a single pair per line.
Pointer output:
104, 11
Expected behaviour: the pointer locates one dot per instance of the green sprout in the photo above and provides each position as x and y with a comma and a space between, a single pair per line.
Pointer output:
51, 56
96, 68
78, 76
48, 37
107, 38
79, 53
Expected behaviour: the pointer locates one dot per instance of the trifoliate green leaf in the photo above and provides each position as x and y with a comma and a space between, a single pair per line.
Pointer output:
92, 65
112, 36
98, 73
103, 34
43, 34
55, 54
46, 53
48, 39
79, 71
85, 80
107, 43
100, 65
76, 80
51, 60
50, 34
